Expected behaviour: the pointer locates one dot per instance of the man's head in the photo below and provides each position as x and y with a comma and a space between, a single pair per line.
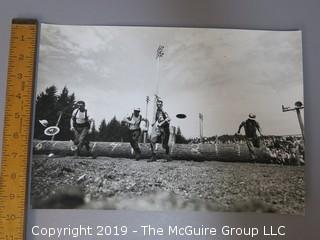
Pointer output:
252, 116
81, 105
160, 119
136, 112
159, 104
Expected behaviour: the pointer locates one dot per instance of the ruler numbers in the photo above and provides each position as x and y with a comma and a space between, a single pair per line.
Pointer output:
13, 182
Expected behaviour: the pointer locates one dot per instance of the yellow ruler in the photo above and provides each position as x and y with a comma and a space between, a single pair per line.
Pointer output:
17, 129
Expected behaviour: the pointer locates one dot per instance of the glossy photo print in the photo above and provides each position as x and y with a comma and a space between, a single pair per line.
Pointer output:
168, 119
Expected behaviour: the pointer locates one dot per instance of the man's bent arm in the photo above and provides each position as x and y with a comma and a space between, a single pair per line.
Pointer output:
91, 124
241, 125
71, 123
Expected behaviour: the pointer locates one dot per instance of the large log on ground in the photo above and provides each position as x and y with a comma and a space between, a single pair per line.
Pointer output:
196, 152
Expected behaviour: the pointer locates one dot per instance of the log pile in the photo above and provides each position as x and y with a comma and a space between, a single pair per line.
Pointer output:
195, 152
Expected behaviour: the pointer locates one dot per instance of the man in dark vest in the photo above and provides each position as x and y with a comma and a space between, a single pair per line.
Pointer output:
81, 125
251, 126
160, 130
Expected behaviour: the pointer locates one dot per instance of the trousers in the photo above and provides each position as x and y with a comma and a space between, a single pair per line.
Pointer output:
134, 140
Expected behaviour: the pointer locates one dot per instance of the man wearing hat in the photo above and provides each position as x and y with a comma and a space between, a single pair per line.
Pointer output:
133, 123
81, 125
251, 126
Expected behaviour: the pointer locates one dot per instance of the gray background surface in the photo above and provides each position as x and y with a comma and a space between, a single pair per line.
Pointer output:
248, 14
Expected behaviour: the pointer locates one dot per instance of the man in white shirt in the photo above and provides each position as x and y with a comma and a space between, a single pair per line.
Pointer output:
133, 123
81, 125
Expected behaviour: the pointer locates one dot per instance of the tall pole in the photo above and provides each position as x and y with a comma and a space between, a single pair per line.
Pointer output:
201, 126
200, 130
159, 54
147, 103
57, 123
300, 122
156, 92
157, 76
147, 123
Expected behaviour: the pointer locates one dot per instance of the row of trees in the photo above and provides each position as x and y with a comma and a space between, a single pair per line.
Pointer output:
50, 105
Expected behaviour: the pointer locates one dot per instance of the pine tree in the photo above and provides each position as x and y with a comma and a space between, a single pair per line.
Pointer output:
64, 106
124, 134
179, 137
45, 110
94, 136
49, 106
113, 130
103, 135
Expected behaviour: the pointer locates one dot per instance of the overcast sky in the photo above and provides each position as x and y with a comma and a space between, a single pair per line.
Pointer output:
224, 74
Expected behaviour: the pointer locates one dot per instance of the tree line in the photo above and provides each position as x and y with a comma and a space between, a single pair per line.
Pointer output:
50, 105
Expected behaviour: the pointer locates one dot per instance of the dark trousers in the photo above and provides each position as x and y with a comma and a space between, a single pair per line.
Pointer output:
134, 140
252, 143
163, 136
81, 137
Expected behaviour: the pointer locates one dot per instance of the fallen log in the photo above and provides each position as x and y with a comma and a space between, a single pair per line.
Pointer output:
195, 152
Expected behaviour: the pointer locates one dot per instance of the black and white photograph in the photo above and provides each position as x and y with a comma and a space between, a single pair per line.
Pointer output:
168, 119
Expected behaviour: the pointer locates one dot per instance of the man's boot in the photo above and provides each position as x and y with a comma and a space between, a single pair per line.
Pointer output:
137, 156
76, 153
93, 154
168, 158
253, 158
88, 147
153, 158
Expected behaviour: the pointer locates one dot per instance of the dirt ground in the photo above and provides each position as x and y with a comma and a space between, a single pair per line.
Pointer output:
114, 183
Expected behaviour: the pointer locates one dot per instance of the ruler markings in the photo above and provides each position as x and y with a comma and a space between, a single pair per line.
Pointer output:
16, 134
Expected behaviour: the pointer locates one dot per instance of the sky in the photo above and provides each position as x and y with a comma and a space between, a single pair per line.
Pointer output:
223, 73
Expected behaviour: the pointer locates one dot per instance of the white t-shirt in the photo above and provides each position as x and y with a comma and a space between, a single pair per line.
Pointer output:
79, 116
134, 123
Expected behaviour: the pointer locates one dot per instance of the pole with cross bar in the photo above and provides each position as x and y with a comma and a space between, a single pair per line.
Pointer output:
159, 55
297, 107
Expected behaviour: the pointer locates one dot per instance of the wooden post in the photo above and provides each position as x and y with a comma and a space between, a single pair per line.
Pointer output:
58, 121
201, 126
300, 122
